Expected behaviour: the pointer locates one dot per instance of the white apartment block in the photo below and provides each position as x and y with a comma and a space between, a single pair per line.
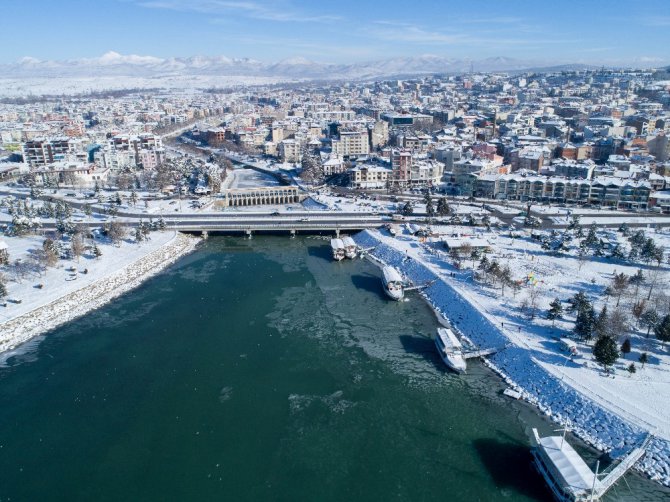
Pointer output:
369, 176
289, 150
351, 144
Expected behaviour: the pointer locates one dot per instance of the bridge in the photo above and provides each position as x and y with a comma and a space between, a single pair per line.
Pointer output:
294, 222
248, 223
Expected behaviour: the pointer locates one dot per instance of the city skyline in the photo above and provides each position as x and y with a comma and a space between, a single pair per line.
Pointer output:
346, 32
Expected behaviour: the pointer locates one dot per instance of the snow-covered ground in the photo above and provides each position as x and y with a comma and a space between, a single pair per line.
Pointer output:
611, 413
73, 287
616, 220
18, 87
248, 178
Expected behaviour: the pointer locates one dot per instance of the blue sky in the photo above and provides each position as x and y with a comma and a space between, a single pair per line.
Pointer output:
593, 31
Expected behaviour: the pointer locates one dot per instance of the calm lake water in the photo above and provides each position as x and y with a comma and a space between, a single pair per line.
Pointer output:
261, 370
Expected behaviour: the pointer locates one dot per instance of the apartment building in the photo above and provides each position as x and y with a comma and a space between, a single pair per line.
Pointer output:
43, 151
351, 144
289, 150
602, 191
369, 176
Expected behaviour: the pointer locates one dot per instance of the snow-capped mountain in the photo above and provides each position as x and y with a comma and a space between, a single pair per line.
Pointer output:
115, 64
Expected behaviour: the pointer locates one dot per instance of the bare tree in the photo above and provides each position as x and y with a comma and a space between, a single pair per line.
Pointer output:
50, 250
655, 274
116, 231
619, 285
77, 246
617, 324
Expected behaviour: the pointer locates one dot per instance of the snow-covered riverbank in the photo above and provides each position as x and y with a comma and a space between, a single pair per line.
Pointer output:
62, 303
605, 427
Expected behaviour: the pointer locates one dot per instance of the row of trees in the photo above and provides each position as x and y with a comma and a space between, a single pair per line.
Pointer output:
441, 208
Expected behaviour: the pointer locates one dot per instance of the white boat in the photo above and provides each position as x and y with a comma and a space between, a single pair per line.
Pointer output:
564, 470
338, 249
393, 283
450, 349
350, 247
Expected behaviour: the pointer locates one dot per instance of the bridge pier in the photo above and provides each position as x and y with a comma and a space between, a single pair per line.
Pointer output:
337, 233
205, 234
248, 233
292, 232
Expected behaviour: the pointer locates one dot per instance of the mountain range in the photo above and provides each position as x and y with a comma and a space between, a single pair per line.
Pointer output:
115, 64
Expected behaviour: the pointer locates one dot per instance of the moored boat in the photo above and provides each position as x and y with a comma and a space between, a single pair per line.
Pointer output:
450, 349
338, 249
564, 470
350, 247
393, 283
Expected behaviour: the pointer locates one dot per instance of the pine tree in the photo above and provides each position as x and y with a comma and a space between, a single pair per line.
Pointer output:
631, 369
638, 239
96, 251
577, 301
474, 256
648, 250
601, 322
606, 352
662, 329
442, 206
430, 209
574, 222
584, 323
616, 253
591, 237
625, 347
407, 209
644, 359
555, 310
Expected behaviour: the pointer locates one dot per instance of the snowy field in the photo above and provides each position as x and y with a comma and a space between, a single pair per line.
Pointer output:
612, 413
248, 178
38, 86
